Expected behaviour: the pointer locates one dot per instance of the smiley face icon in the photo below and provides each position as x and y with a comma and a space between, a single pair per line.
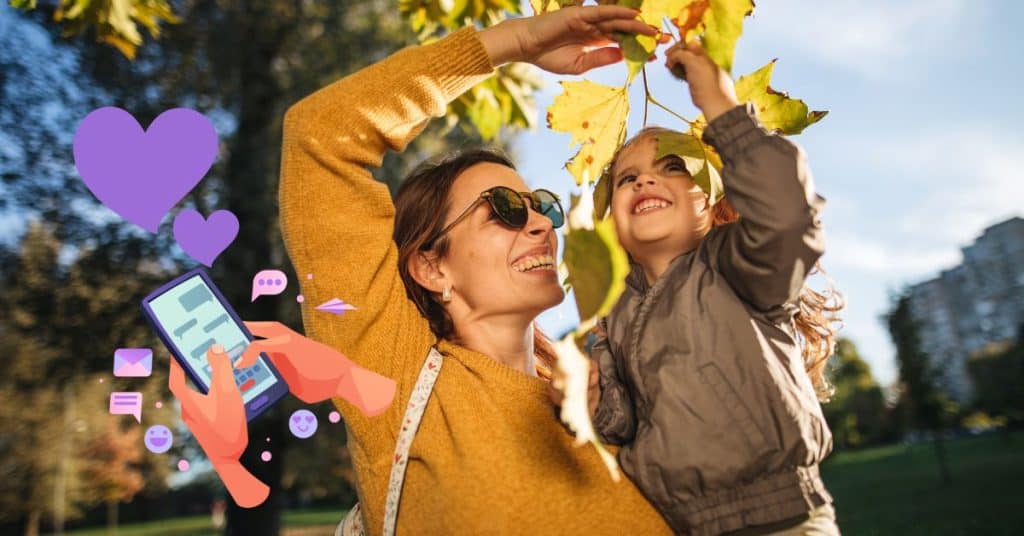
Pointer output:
158, 439
302, 423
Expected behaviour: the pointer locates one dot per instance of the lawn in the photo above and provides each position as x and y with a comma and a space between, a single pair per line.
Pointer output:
880, 491
296, 523
897, 489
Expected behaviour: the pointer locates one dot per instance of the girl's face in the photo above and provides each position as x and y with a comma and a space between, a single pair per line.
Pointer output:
657, 207
493, 269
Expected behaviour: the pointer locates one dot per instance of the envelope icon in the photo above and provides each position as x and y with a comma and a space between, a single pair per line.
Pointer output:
133, 362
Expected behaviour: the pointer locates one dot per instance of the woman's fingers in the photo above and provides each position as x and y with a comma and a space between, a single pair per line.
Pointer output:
596, 14
598, 58
628, 26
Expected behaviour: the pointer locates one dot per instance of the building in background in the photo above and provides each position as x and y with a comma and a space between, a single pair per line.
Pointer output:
977, 303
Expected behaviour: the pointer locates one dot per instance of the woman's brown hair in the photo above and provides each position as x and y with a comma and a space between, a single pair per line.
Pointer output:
818, 311
421, 208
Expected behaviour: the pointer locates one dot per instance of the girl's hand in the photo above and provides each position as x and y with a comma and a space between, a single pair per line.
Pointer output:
217, 420
559, 41
315, 372
711, 88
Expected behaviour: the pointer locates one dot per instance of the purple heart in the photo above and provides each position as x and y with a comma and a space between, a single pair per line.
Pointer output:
142, 174
204, 239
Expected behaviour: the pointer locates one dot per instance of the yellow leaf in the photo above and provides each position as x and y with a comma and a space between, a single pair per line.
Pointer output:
595, 115
776, 110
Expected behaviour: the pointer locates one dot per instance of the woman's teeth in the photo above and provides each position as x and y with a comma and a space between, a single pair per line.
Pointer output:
650, 204
538, 262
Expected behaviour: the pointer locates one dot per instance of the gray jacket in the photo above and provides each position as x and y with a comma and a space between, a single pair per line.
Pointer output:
702, 377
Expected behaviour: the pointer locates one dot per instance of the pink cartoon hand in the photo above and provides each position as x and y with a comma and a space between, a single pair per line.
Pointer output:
315, 372
217, 420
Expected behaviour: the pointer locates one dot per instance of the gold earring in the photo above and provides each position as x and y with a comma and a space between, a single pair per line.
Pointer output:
446, 294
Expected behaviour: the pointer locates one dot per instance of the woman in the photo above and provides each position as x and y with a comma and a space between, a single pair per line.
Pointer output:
448, 265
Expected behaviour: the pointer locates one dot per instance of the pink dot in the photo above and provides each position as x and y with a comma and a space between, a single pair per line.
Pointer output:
334, 417
101, 380
183, 465
300, 298
268, 440
265, 456
159, 405
309, 276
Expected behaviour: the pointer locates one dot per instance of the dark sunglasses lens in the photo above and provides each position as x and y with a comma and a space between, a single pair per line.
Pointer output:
509, 206
548, 205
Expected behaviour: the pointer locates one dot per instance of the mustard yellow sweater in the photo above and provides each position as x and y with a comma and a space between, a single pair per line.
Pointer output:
490, 456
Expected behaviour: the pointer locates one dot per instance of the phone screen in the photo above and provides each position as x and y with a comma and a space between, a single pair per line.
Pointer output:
194, 319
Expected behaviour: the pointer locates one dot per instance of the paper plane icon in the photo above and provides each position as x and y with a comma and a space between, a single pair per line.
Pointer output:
335, 306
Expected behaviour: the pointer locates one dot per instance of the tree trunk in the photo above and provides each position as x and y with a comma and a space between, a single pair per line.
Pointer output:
32, 524
112, 517
940, 453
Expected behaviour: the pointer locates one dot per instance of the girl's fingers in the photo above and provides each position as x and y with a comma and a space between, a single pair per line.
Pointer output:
220, 368
255, 348
181, 391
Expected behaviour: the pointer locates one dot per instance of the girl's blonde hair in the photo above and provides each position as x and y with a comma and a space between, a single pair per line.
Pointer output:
817, 318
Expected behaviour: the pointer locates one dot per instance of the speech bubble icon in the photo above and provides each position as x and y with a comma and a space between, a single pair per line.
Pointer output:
126, 403
268, 283
195, 297
180, 330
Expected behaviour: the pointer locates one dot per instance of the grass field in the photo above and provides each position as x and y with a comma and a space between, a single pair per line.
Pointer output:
881, 491
898, 490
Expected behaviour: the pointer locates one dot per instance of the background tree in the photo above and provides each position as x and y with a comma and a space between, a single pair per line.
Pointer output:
997, 373
856, 413
927, 407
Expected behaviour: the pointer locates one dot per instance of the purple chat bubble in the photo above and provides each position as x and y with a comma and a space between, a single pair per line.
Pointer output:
268, 283
126, 403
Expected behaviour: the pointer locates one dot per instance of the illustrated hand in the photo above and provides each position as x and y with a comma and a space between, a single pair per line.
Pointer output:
315, 372
560, 41
217, 420
711, 88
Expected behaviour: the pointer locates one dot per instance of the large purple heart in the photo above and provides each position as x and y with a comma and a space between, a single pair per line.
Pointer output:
142, 174
205, 239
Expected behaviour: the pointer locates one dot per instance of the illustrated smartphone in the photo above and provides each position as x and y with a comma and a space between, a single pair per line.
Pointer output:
190, 315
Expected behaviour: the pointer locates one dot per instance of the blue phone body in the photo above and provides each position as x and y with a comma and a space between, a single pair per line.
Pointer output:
186, 293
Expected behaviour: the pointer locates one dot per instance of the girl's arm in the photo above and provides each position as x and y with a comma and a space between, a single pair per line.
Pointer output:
615, 416
768, 253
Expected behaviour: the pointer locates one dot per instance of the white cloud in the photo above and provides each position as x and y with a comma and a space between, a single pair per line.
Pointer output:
886, 258
875, 38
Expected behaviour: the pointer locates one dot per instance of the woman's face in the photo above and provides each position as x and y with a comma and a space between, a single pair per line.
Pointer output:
656, 206
493, 269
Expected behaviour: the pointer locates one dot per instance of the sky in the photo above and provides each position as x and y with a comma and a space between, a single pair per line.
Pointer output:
921, 150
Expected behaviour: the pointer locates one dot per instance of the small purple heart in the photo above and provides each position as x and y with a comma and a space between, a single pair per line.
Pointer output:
205, 239
140, 174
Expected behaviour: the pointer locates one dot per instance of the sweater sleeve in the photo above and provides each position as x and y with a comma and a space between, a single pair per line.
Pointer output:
337, 220
767, 254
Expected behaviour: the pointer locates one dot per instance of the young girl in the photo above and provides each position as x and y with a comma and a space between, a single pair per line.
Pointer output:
710, 365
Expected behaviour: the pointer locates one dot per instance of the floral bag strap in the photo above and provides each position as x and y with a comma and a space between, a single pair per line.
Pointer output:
352, 525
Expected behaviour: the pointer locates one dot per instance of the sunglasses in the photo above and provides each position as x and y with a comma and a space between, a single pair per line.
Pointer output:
510, 207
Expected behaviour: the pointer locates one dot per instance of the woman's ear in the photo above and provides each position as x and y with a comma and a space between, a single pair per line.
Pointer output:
424, 267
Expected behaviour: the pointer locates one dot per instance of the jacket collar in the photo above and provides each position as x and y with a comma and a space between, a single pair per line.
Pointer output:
638, 281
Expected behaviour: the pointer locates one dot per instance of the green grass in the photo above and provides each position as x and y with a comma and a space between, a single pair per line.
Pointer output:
898, 490
200, 525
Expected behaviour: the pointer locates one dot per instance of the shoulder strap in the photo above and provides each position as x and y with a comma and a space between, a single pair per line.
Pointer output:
410, 423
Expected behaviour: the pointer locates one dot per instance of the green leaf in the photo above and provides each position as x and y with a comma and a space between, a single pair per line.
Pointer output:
694, 154
723, 25
595, 115
775, 109
598, 266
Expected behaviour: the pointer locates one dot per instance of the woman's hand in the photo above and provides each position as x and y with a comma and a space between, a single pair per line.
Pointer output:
559, 41
711, 88
217, 420
315, 372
